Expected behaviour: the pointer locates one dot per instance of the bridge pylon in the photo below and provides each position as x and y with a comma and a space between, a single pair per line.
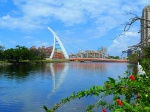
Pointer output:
56, 39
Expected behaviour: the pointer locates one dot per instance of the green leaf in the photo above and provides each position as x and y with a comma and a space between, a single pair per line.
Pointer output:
147, 108
45, 108
119, 110
111, 79
101, 87
127, 104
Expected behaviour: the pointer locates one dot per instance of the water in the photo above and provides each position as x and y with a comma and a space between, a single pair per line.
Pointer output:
26, 88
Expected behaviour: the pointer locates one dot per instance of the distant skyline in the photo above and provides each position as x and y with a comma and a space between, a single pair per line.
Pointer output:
80, 24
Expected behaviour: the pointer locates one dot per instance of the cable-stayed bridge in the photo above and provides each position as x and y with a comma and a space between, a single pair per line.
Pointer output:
88, 55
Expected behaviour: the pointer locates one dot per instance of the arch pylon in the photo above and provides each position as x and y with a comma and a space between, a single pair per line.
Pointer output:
56, 38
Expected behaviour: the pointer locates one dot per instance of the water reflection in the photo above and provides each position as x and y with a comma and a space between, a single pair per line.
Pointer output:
19, 71
89, 66
58, 71
26, 88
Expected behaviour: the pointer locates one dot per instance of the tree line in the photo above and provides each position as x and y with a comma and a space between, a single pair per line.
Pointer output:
20, 53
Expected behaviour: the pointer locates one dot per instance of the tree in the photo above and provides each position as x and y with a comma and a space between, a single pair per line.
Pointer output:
146, 59
36, 54
1, 52
114, 57
9, 54
133, 58
18, 54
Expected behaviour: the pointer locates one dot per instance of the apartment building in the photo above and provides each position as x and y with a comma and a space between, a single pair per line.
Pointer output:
145, 26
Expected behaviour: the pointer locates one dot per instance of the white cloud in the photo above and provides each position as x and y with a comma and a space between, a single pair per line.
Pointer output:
18, 23
40, 43
1, 43
131, 34
121, 43
36, 13
28, 37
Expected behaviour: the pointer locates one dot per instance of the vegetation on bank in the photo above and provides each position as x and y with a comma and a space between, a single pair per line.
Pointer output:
129, 94
4, 63
114, 57
133, 58
21, 54
33, 61
16, 55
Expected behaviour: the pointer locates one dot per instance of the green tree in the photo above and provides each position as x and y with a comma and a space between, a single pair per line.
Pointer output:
9, 54
133, 58
1, 52
114, 57
145, 61
36, 54
18, 54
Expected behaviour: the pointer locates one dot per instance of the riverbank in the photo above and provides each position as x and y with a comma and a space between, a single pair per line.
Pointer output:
59, 61
49, 61
5, 63
32, 62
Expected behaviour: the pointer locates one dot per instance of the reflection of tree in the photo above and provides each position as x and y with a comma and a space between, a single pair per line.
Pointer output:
21, 71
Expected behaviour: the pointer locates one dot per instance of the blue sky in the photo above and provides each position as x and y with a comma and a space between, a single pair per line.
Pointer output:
80, 24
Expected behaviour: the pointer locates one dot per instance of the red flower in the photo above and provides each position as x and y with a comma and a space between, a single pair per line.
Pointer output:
119, 102
103, 110
132, 77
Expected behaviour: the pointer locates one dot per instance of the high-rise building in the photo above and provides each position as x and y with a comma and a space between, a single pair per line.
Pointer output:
145, 26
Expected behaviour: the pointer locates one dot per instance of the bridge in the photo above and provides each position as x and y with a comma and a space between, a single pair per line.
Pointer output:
82, 56
97, 60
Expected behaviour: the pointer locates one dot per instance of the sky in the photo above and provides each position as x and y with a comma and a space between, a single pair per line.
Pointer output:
80, 24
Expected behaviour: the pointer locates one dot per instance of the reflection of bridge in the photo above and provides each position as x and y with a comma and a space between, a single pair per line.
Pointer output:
58, 71
99, 55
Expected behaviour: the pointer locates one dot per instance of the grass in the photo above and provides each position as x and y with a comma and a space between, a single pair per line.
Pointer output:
50, 61
35, 61
4, 63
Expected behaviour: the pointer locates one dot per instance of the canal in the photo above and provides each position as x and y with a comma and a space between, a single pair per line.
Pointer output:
26, 88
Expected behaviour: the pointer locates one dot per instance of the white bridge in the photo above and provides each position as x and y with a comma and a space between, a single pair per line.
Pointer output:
86, 55
56, 39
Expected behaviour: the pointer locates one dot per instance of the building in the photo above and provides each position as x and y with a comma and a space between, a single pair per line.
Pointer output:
45, 52
145, 26
100, 53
